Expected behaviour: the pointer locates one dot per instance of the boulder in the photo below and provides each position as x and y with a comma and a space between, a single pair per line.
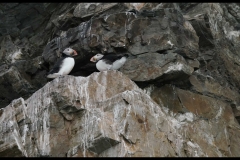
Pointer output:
106, 115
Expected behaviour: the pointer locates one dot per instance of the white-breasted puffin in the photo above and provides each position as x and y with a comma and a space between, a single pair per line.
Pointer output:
64, 65
109, 61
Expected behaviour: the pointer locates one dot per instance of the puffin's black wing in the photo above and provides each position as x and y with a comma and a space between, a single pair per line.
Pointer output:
57, 66
110, 58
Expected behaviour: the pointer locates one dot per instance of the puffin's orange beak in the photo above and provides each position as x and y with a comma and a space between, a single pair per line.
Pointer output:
93, 59
74, 53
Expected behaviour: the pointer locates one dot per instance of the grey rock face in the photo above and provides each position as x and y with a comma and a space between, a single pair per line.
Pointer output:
82, 117
155, 66
127, 32
24, 31
183, 56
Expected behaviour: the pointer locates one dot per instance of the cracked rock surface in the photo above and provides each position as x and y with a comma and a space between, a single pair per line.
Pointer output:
177, 95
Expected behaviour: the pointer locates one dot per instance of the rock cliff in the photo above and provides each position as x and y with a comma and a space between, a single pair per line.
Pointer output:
176, 96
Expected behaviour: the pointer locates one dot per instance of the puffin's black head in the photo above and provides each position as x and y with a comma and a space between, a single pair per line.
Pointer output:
70, 52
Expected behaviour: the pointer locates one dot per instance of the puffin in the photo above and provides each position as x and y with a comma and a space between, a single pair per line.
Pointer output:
64, 65
109, 61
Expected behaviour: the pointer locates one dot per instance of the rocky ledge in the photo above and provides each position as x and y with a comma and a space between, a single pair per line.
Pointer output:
107, 115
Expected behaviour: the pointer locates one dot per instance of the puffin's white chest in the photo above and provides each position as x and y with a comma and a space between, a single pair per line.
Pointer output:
118, 63
102, 66
67, 66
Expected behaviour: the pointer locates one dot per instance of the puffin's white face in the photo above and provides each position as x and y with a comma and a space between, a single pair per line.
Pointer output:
96, 58
70, 52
